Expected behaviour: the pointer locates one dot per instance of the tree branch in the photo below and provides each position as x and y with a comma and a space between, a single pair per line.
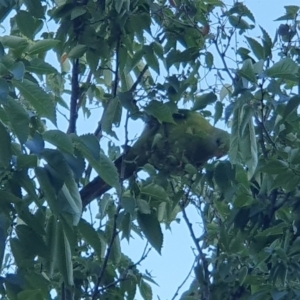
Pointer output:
201, 255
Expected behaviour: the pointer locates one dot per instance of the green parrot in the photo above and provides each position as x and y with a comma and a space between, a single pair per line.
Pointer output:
169, 147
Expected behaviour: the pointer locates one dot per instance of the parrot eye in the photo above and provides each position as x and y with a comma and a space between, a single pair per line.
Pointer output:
218, 141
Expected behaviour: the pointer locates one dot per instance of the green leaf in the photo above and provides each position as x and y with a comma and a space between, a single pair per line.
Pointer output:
4, 89
111, 116
243, 272
239, 22
39, 66
118, 5
209, 60
19, 119
287, 180
78, 11
103, 166
14, 42
204, 100
247, 71
161, 111
256, 48
267, 42
116, 252
69, 194
143, 206
41, 101
154, 191
274, 230
5, 142
9, 198
63, 255
25, 234
151, 228
59, 139
18, 70
151, 58
291, 106
218, 112
77, 51
28, 25
48, 189
275, 166
291, 12
286, 68
249, 148
145, 290
35, 8
222, 175
90, 235
42, 46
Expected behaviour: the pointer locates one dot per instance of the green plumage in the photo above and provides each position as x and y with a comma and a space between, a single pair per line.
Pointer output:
169, 147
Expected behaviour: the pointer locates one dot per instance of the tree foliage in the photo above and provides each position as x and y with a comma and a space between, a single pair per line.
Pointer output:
116, 63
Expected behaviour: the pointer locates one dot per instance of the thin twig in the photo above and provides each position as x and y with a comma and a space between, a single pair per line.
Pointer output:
200, 252
74, 97
185, 280
108, 252
125, 273
222, 55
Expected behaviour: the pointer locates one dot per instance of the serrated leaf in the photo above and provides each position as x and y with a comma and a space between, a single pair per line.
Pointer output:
151, 228
286, 68
160, 111
5, 142
42, 46
19, 119
38, 98
267, 42
59, 139
256, 48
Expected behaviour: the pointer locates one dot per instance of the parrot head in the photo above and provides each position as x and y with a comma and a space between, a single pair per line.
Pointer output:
221, 140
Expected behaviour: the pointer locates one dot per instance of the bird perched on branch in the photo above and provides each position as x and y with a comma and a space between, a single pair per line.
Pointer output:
169, 147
